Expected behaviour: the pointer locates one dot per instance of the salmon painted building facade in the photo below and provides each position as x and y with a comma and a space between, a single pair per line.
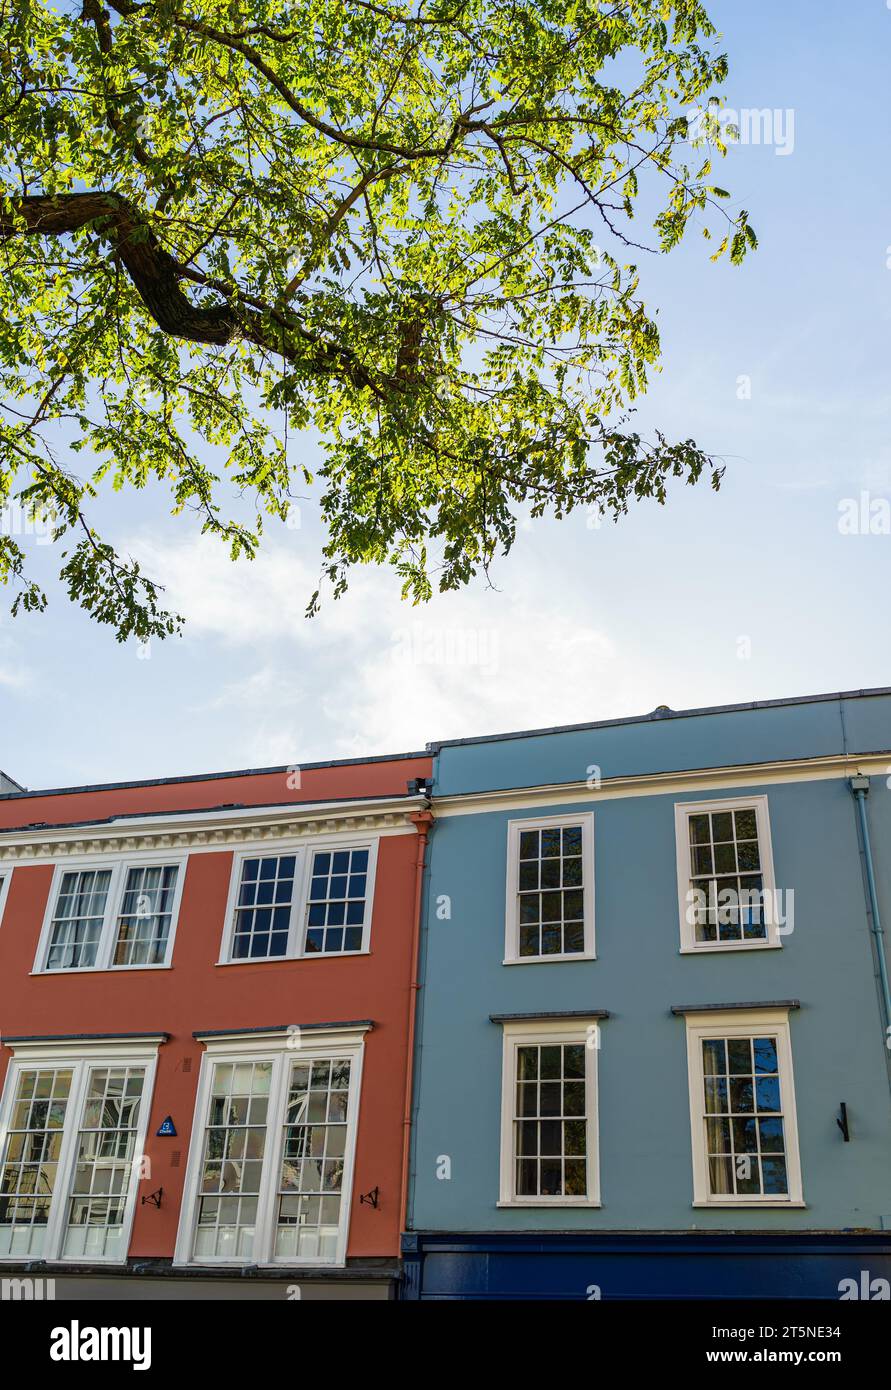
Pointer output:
206, 1012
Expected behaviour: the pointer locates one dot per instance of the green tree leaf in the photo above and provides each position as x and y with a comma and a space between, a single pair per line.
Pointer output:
406, 225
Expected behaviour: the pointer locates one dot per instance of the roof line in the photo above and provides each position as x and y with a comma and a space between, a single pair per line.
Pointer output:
200, 1033
432, 748
660, 713
120, 817
210, 776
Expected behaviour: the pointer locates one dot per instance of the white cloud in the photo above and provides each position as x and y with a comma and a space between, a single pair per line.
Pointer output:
373, 674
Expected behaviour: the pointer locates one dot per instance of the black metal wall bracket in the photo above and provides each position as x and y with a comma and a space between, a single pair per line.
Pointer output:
842, 1122
371, 1198
154, 1198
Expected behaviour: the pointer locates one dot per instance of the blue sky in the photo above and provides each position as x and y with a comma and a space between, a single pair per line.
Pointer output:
750, 593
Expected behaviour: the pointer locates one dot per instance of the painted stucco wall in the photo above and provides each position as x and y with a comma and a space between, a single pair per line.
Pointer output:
827, 963
197, 994
821, 728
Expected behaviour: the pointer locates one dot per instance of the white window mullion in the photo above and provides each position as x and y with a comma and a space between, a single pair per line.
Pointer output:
549, 905
724, 870
145, 1107
112, 909
264, 1234
297, 932
592, 1115
342, 1046
118, 870
721, 1109
346, 1200
55, 1232
335, 896
551, 1098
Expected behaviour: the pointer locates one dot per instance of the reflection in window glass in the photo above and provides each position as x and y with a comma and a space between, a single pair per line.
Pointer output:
335, 913
232, 1163
106, 1150
550, 1129
743, 1119
77, 919
31, 1158
551, 891
313, 1156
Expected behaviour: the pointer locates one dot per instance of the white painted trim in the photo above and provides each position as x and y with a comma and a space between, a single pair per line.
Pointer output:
511, 909
220, 1045
210, 831
58, 1051
517, 1034
113, 902
741, 1024
683, 810
6, 873
550, 960
80, 1057
297, 928
371, 843
660, 784
279, 1050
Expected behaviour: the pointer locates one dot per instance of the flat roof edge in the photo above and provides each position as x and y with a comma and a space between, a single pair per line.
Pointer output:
122, 817
657, 715
210, 776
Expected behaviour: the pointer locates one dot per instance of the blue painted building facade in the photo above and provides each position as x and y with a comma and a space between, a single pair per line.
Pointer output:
652, 1008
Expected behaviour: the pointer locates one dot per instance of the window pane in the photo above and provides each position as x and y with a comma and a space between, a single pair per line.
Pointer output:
550, 1129
725, 883
232, 1163
106, 1149
746, 1153
337, 900
77, 919
263, 910
313, 1158
145, 916
30, 1160
551, 860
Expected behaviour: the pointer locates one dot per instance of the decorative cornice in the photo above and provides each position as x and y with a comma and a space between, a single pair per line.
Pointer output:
539, 1017
208, 830
748, 1007
702, 779
38, 1039
277, 1029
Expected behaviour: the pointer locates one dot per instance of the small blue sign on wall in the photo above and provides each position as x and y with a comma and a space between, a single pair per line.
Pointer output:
167, 1127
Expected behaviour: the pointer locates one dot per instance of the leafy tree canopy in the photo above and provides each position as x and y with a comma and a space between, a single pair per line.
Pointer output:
385, 219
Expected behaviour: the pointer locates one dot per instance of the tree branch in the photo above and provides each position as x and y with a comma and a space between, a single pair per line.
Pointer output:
156, 276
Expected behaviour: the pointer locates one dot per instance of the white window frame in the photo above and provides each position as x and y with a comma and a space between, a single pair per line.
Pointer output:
81, 1057
512, 913
278, 1049
742, 1023
303, 851
543, 1032
6, 871
683, 810
120, 868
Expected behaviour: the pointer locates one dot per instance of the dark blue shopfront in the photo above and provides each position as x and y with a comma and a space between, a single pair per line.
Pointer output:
577, 1267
